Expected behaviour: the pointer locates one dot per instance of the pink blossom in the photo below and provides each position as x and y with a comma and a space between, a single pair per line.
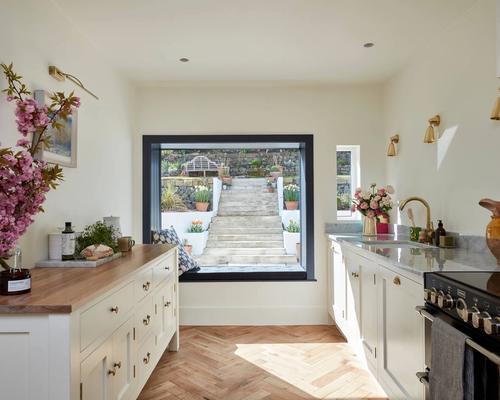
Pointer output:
363, 206
381, 191
373, 204
23, 143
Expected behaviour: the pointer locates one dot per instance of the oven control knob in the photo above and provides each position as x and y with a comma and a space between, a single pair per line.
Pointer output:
445, 301
462, 310
492, 326
433, 295
427, 294
479, 318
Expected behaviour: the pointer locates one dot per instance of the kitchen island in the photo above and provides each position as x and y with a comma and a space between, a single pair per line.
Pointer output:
90, 333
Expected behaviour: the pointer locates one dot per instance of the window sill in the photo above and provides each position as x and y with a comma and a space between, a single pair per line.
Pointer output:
243, 276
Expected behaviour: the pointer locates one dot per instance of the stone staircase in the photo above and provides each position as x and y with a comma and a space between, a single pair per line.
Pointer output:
247, 229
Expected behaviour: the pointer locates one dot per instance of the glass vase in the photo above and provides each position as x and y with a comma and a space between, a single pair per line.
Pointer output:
369, 226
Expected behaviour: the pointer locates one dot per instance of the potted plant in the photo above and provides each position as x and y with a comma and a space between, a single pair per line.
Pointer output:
197, 236
291, 238
291, 194
269, 185
196, 226
202, 197
372, 204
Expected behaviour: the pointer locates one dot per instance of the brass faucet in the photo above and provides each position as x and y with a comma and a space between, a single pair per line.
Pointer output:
428, 225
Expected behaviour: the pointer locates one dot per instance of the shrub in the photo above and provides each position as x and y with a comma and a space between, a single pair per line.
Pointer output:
202, 194
293, 227
275, 168
291, 192
171, 201
196, 226
256, 163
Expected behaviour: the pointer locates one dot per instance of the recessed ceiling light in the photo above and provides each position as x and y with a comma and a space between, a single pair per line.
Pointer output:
183, 59
368, 45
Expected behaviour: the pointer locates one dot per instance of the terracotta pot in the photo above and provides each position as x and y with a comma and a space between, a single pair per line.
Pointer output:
292, 205
270, 189
188, 248
201, 206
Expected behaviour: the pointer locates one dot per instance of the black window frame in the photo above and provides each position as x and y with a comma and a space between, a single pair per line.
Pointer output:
152, 145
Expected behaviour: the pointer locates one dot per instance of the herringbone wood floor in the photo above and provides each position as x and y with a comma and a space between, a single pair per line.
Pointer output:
261, 362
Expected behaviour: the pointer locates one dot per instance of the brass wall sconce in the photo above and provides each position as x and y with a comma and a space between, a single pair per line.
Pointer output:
391, 150
495, 113
60, 76
430, 136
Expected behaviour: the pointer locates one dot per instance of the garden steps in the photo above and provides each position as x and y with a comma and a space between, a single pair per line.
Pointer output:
247, 229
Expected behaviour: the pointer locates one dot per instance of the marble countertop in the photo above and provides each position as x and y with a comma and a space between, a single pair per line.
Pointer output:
417, 260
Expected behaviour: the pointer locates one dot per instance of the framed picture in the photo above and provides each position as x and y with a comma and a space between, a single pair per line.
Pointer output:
63, 142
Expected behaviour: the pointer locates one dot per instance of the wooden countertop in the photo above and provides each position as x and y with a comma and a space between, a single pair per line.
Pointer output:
63, 290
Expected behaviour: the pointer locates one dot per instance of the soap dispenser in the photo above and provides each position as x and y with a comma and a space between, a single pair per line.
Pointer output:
439, 232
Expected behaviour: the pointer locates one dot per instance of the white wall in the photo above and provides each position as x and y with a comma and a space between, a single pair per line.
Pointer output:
33, 34
335, 115
453, 77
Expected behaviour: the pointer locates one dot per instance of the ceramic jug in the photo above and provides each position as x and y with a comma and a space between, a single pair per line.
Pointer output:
493, 228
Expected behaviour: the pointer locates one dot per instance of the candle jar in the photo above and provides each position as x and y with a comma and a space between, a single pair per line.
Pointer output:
15, 280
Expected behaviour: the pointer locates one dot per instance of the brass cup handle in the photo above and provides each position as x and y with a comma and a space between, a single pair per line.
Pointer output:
397, 281
167, 304
147, 320
146, 359
146, 285
114, 309
355, 274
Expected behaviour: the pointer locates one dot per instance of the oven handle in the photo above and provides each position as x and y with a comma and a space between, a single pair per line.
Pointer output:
488, 354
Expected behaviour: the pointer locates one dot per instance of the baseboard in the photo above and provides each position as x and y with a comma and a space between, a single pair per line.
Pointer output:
253, 316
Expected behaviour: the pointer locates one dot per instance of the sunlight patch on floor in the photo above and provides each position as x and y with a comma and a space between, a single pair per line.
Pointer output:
322, 370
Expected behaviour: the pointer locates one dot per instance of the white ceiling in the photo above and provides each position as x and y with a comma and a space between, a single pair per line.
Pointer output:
303, 40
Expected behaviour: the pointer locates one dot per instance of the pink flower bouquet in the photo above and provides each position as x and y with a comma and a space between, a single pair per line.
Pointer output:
373, 203
25, 180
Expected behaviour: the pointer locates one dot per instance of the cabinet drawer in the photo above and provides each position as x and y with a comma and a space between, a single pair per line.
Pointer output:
103, 317
164, 269
145, 318
146, 360
143, 284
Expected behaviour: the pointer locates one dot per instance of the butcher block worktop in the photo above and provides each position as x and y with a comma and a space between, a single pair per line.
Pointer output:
63, 290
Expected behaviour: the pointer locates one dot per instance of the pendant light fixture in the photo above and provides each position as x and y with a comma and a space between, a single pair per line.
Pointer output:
430, 136
391, 150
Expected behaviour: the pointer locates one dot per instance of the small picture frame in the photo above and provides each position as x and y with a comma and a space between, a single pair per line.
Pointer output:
63, 142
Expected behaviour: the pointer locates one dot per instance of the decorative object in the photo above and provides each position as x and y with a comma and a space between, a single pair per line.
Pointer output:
68, 242
372, 204
430, 136
125, 243
493, 228
60, 76
391, 150
16, 280
196, 226
55, 246
98, 233
169, 235
62, 149
291, 195
202, 197
96, 251
171, 200
25, 180
415, 233
79, 263
495, 113
383, 224
113, 222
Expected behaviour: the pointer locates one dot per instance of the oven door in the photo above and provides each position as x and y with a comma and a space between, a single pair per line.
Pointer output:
429, 313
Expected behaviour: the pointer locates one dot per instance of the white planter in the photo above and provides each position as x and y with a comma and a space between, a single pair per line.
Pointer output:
291, 239
197, 240
181, 221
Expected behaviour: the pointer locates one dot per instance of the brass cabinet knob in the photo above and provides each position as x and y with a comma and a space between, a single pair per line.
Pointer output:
397, 281
355, 274
117, 364
147, 320
146, 285
114, 309
146, 359
112, 372
167, 304
167, 268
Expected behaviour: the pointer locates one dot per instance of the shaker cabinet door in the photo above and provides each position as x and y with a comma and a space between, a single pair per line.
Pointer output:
121, 371
368, 310
401, 335
339, 289
95, 374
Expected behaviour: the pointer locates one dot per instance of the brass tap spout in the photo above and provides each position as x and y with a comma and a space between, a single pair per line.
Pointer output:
403, 204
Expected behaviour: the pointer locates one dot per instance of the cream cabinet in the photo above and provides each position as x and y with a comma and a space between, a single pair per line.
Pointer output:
106, 347
376, 313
